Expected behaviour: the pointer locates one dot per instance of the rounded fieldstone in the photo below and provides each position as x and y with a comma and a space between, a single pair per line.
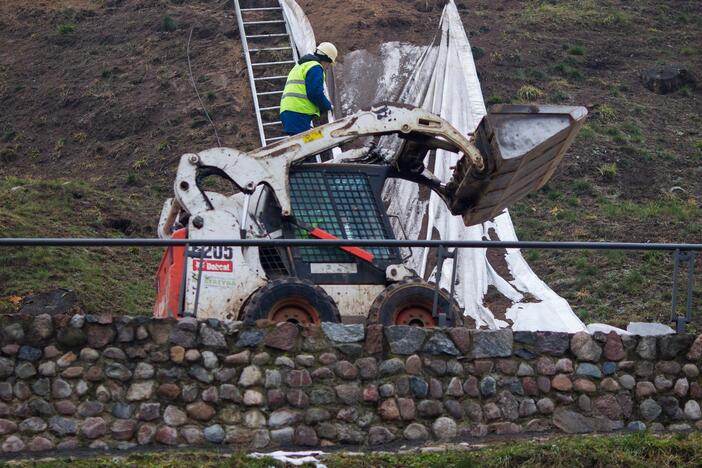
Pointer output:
114, 353
250, 376
488, 386
7, 426
123, 429
415, 432
283, 436
214, 434
200, 411
527, 407
682, 386
391, 366
141, 390
545, 406
92, 428
149, 411
261, 439
254, 419
378, 435
284, 417
145, 434
649, 409
122, 410
627, 381
636, 426
429, 408
13, 444
192, 434
388, 410
584, 347
691, 370
562, 383
418, 386
284, 361
166, 435
25, 370
209, 360
346, 370
368, 367
60, 389
40, 407
32, 425
524, 370
174, 416
588, 370
327, 358
692, 410
304, 360
305, 436
143, 370
444, 428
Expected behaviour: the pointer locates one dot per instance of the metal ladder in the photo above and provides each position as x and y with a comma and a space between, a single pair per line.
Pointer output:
263, 26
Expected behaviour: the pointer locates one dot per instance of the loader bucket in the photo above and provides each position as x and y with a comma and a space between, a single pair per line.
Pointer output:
522, 145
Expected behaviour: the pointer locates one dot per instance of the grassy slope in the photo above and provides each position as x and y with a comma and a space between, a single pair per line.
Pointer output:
635, 450
634, 173
108, 279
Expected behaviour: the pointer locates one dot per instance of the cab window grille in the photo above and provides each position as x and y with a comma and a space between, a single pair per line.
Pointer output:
343, 205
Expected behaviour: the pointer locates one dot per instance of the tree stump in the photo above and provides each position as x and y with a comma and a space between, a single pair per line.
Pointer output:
665, 79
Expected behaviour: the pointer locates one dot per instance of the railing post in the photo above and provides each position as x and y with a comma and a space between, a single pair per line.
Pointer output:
682, 320
184, 280
199, 281
441, 315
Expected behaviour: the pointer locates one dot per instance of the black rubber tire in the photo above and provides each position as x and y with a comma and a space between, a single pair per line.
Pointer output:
399, 296
261, 302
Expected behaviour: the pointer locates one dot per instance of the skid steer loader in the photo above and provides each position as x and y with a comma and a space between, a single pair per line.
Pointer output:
282, 191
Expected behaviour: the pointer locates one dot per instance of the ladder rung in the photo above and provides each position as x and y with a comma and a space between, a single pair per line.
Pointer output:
264, 22
269, 108
276, 138
261, 9
257, 36
270, 124
265, 49
268, 93
279, 77
261, 64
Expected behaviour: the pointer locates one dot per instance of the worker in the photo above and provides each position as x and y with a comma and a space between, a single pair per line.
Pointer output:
303, 97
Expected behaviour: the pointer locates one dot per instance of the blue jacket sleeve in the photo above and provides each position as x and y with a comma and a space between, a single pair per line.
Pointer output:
314, 81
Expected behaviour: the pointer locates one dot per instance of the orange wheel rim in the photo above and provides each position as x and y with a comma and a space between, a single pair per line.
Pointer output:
294, 310
415, 316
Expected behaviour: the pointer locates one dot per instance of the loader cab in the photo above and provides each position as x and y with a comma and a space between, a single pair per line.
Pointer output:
345, 201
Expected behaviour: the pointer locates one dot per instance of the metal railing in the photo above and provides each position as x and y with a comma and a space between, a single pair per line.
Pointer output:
683, 253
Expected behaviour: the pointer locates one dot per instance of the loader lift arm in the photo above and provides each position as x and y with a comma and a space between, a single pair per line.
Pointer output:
515, 151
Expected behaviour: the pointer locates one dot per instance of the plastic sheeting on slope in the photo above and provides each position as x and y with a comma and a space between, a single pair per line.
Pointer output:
442, 79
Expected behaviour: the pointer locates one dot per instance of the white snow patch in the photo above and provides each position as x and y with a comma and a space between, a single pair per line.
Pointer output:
293, 458
603, 327
649, 329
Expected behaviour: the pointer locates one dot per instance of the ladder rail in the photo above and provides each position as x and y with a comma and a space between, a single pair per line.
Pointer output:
249, 69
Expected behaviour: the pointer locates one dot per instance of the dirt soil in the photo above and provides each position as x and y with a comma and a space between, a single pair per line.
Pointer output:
99, 90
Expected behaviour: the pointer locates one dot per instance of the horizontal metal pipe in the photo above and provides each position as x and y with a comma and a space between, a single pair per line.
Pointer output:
88, 242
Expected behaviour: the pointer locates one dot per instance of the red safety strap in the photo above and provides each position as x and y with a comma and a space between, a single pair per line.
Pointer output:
355, 251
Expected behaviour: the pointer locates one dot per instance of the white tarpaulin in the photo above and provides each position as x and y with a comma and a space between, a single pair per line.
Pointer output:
442, 79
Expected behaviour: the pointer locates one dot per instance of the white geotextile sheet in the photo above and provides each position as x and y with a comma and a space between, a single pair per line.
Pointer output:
442, 79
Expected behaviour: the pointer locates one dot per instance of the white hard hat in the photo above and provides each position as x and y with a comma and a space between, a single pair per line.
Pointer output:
327, 49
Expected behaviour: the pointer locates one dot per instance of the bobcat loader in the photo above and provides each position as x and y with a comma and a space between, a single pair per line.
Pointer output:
282, 191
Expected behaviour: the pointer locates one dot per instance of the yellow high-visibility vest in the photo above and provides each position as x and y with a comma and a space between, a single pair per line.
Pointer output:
295, 92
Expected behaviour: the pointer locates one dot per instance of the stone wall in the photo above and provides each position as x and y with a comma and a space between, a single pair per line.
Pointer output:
95, 381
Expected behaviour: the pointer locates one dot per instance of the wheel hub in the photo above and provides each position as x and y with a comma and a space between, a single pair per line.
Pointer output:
415, 316
294, 310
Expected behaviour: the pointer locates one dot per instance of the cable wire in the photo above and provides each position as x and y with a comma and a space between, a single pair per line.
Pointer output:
192, 81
